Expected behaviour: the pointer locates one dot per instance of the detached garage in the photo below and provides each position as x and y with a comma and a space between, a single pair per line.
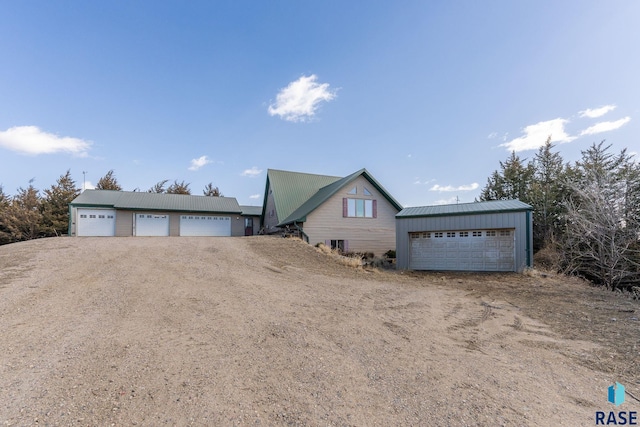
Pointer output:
481, 236
127, 213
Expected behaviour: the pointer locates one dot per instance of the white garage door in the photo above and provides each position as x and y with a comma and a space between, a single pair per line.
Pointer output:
473, 250
152, 225
96, 222
203, 225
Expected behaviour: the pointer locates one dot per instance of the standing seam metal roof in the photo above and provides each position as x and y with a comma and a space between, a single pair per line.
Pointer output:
156, 201
292, 189
476, 208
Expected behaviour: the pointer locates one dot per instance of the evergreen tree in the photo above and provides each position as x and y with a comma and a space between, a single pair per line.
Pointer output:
212, 191
23, 217
548, 190
108, 182
513, 181
55, 206
5, 235
179, 188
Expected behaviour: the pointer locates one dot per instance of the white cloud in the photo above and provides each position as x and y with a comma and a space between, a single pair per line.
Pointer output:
605, 126
31, 140
299, 101
492, 135
449, 201
536, 135
597, 112
252, 173
198, 163
254, 196
449, 188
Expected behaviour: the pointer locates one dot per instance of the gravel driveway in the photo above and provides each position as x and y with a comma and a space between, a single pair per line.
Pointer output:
268, 331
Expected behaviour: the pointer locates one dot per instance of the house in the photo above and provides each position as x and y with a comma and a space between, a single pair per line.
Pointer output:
482, 236
352, 213
126, 213
251, 218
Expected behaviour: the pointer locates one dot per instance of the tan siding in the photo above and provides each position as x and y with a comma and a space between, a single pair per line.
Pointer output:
124, 223
174, 223
270, 222
237, 225
375, 235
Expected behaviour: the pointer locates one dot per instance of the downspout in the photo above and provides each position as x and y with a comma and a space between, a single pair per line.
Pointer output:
529, 243
302, 233
70, 219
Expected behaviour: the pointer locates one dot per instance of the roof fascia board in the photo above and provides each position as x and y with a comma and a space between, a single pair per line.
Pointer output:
464, 213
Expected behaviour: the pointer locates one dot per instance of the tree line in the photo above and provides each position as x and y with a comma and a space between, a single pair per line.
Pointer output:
586, 217
29, 214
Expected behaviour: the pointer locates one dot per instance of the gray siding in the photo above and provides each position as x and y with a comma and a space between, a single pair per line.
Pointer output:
514, 220
375, 235
270, 214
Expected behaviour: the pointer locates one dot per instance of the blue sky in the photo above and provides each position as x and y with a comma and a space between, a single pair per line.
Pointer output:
428, 96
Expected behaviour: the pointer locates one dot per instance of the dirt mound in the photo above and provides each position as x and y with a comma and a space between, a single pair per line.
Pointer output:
269, 331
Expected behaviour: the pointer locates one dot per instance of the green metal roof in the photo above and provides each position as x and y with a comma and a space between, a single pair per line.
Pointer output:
251, 210
292, 189
324, 193
156, 201
476, 208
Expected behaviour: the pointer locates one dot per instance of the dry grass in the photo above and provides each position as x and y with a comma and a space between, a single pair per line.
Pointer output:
349, 261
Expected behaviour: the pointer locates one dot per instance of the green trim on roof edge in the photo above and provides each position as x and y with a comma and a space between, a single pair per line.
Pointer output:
326, 192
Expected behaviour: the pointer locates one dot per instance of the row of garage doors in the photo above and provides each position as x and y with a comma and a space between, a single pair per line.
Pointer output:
469, 250
102, 222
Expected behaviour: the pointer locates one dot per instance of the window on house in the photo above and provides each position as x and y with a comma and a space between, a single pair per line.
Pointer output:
366, 192
360, 208
505, 233
491, 233
426, 235
354, 190
451, 234
83, 216
464, 234
438, 235
476, 233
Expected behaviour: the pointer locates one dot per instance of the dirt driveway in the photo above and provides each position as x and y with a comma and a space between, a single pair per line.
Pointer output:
268, 331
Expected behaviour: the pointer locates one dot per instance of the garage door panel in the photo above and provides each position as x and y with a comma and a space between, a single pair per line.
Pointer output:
96, 222
205, 225
476, 250
151, 225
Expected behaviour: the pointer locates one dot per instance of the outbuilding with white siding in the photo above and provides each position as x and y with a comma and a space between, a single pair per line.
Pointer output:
481, 236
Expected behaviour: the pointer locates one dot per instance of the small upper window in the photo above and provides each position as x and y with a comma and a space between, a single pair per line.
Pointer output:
354, 190
366, 192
